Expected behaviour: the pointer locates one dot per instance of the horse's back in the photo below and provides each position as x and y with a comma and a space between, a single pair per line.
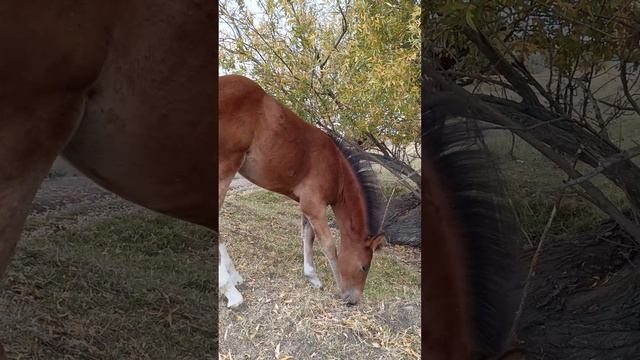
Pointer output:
239, 112
149, 130
282, 151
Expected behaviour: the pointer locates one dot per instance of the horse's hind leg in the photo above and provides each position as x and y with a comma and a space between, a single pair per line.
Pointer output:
225, 280
31, 136
228, 277
308, 236
226, 261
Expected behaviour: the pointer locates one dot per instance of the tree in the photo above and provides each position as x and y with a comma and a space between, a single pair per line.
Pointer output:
567, 118
351, 67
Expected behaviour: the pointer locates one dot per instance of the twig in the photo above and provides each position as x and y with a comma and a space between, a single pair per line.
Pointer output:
594, 102
384, 215
529, 128
606, 163
532, 265
616, 106
481, 78
625, 86
517, 218
345, 29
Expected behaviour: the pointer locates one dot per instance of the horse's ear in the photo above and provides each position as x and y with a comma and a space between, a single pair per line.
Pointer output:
376, 242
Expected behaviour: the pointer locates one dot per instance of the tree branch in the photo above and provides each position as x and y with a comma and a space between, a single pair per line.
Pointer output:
519, 83
345, 29
479, 78
476, 109
624, 155
625, 86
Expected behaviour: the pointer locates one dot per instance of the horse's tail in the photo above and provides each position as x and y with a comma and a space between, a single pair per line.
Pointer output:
469, 245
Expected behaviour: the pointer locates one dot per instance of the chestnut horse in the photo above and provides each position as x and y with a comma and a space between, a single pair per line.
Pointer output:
276, 150
469, 282
123, 89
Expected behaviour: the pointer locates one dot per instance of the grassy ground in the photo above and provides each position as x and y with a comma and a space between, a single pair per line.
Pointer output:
284, 318
107, 280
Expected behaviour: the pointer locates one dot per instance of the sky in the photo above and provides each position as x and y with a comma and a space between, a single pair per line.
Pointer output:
252, 6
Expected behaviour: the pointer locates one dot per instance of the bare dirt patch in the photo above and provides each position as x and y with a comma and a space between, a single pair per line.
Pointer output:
239, 185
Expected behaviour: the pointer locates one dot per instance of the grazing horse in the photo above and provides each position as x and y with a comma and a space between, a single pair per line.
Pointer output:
469, 237
276, 150
123, 89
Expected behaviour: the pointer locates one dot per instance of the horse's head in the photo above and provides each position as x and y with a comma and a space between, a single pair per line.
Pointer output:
354, 261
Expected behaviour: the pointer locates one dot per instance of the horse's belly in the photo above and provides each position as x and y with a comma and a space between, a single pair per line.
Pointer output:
272, 171
153, 164
149, 131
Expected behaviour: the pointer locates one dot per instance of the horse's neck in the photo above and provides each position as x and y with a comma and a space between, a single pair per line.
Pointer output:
446, 311
350, 207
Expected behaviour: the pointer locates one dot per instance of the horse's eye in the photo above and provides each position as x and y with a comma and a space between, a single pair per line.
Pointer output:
364, 268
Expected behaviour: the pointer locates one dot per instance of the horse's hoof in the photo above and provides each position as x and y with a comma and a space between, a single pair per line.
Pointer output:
235, 299
234, 304
315, 283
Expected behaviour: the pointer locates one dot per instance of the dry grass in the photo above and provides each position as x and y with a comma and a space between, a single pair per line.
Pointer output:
284, 318
109, 281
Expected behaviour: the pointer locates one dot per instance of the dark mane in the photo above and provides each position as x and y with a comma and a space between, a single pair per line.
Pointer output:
369, 182
487, 226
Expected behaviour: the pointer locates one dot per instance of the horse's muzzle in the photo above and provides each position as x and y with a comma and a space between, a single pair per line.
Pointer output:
351, 297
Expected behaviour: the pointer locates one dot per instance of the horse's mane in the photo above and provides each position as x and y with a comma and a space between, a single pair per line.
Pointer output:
368, 181
486, 224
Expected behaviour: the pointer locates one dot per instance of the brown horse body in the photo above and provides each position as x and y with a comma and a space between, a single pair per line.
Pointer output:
269, 145
126, 88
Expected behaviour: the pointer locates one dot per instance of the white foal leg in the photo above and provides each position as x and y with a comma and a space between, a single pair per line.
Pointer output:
307, 241
226, 286
235, 277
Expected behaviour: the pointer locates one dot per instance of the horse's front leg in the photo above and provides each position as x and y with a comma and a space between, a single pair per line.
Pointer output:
317, 215
307, 240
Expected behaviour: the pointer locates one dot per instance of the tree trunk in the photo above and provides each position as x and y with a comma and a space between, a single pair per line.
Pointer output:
403, 223
584, 300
